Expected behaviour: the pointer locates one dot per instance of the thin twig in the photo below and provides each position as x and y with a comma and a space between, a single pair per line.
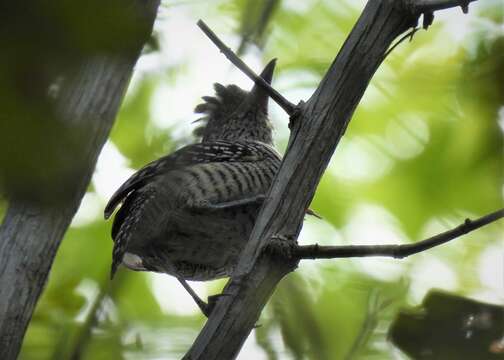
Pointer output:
285, 104
407, 35
396, 251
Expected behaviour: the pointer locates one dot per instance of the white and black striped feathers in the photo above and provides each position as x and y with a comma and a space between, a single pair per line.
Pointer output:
235, 114
190, 213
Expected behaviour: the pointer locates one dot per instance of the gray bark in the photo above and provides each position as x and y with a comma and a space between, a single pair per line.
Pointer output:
316, 132
31, 232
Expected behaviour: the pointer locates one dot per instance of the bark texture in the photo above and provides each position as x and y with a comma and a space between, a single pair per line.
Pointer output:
89, 95
316, 131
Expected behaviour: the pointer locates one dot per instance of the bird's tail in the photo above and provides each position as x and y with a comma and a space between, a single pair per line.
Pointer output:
120, 244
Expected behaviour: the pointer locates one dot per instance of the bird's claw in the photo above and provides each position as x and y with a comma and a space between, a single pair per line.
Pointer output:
208, 307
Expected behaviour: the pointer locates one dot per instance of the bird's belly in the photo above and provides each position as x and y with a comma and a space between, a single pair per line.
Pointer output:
200, 246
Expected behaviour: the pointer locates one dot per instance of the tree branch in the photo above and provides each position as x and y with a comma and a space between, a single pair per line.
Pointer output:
397, 251
320, 125
398, 42
422, 6
285, 104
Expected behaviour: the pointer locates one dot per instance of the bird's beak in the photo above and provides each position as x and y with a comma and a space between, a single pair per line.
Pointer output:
257, 95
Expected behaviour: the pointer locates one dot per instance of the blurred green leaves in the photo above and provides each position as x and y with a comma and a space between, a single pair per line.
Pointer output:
44, 45
424, 147
456, 97
134, 123
337, 317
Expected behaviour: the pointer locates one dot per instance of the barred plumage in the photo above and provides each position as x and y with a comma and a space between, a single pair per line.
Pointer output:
190, 213
165, 200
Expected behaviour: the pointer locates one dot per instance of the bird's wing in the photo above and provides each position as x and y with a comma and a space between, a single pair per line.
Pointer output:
191, 155
206, 177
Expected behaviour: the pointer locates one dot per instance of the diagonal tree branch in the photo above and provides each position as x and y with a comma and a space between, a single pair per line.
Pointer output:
321, 123
397, 251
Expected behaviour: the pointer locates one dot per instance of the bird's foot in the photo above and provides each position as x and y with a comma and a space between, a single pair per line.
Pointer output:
208, 307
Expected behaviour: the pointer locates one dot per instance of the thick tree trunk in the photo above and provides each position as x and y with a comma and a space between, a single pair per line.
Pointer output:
87, 100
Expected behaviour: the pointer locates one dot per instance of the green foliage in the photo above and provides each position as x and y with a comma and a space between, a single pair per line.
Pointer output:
134, 123
424, 148
41, 41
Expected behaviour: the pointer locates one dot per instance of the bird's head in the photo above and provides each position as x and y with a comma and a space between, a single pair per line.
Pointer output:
235, 114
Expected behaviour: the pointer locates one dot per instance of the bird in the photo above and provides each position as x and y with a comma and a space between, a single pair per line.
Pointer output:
190, 213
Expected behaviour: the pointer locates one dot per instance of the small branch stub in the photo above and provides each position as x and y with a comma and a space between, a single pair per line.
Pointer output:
421, 6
